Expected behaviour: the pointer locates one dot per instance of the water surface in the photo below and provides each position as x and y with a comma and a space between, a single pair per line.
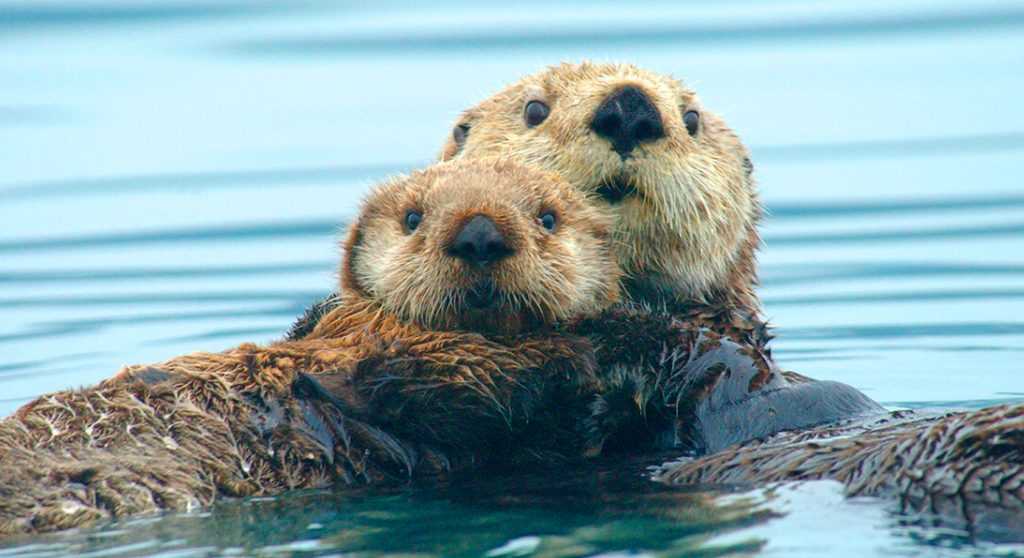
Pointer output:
175, 176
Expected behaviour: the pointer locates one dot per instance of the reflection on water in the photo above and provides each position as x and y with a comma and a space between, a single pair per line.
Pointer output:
541, 515
613, 511
175, 175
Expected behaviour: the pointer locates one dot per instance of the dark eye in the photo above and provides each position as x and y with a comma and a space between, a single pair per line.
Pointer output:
459, 134
535, 113
548, 220
412, 220
691, 119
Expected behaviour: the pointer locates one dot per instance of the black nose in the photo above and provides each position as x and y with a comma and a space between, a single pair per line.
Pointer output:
479, 242
627, 118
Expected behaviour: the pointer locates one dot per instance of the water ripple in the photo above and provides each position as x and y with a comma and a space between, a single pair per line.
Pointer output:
254, 231
43, 332
287, 311
958, 233
65, 276
818, 272
901, 331
183, 181
893, 148
301, 296
21, 366
915, 296
958, 403
20, 16
223, 333
30, 115
857, 208
465, 39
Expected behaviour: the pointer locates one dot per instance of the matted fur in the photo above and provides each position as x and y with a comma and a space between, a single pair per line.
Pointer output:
964, 464
379, 401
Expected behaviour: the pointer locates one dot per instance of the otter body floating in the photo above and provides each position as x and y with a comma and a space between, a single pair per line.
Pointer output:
371, 395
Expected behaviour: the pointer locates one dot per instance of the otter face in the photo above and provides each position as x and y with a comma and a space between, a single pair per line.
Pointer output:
483, 245
677, 178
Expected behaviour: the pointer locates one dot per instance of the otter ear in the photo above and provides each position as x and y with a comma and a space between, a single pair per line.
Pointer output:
457, 138
748, 166
351, 246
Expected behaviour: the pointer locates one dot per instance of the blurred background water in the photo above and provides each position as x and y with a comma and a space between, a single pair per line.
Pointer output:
174, 175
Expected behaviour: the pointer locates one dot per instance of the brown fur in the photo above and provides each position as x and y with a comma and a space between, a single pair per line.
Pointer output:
690, 232
551, 276
380, 401
369, 396
687, 239
966, 464
697, 388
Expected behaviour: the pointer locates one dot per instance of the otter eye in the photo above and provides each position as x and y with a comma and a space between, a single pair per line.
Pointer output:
460, 133
691, 118
548, 220
412, 220
535, 113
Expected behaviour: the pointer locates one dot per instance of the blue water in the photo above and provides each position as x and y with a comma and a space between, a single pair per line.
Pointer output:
174, 175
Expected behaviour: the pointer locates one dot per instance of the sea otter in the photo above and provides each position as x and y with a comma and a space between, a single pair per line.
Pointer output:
677, 177
681, 185
391, 386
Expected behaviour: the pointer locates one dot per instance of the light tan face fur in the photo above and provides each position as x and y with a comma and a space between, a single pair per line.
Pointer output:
551, 275
690, 230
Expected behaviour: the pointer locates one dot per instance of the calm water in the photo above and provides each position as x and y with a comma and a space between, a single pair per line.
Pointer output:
174, 176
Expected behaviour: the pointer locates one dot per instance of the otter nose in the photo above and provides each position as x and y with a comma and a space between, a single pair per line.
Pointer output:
627, 118
480, 242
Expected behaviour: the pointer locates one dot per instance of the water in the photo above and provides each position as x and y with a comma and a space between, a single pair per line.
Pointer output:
175, 175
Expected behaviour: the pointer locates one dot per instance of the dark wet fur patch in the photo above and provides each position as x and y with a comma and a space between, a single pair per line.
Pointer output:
311, 317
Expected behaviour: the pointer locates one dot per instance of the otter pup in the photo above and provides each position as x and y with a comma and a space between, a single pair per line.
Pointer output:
389, 386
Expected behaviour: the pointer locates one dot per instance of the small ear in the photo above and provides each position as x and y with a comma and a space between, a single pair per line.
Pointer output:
748, 166
353, 242
458, 136
456, 140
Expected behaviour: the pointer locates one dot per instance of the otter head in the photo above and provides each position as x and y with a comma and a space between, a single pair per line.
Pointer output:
677, 178
489, 246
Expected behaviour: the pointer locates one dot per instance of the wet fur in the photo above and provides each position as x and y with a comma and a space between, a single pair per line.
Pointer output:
378, 401
967, 465
369, 395
680, 382
686, 241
